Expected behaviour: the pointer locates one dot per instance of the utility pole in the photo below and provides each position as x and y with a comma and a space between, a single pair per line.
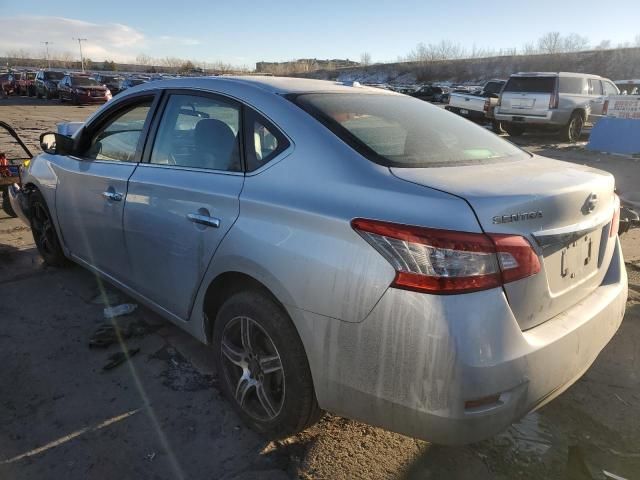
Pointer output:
46, 44
80, 40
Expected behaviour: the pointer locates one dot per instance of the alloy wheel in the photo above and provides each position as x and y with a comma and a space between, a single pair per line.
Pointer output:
253, 369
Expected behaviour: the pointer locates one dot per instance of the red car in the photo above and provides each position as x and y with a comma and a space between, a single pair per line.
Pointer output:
25, 83
8, 82
81, 88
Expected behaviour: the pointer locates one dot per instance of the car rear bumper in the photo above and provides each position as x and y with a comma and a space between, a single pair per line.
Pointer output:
473, 115
416, 360
556, 118
18, 202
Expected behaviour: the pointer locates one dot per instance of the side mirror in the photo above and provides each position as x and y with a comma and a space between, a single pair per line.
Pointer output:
56, 144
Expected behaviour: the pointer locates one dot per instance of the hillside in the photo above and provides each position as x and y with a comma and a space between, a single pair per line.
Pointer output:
615, 64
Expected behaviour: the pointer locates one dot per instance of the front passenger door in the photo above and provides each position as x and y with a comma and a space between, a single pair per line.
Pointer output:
92, 187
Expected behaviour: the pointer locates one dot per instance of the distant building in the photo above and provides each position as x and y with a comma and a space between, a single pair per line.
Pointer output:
303, 65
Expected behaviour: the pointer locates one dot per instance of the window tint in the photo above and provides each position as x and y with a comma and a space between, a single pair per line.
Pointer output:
573, 85
198, 132
53, 75
595, 87
609, 88
493, 87
531, 84
401, 131
118, 139
263, 140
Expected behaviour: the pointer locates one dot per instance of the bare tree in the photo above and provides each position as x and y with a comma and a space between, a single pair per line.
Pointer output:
550, 43
144, 59
365, 59
574, 43
603, 45
529, 49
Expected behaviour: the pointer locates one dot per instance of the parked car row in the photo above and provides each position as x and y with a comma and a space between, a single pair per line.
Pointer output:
75, 87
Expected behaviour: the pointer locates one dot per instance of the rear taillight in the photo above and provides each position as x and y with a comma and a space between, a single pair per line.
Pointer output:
554, 100
499, 100
487, 103
446, 262
615, 221
605, 107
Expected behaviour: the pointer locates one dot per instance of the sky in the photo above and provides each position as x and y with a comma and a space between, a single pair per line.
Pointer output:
241, 33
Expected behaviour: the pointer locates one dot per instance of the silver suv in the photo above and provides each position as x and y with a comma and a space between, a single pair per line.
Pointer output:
557, 100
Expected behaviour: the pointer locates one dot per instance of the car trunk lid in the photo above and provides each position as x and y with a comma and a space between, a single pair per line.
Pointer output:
563, 209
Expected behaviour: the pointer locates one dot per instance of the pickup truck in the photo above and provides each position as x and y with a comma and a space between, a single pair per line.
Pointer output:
478, 106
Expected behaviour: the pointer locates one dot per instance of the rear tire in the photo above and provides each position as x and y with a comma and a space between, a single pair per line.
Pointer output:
573, 129
262, 366
513, 130
44, 231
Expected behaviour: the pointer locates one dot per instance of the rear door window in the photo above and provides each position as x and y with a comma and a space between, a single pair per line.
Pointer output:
573, 85
530, 85
198, 132
595, 86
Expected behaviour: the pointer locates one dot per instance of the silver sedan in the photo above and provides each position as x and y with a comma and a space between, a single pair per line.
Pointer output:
341, 248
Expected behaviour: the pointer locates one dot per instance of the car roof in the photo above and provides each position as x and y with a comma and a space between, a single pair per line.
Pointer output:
279, 85
555, 74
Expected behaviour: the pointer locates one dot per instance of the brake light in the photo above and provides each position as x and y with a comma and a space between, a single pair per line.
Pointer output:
615, 221
487, 103
446, 262
499, 100
605, 107
554, 100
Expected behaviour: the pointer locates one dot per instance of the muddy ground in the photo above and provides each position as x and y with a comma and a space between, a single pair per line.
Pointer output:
161, 415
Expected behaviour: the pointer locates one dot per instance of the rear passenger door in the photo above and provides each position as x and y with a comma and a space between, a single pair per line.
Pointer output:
183, 197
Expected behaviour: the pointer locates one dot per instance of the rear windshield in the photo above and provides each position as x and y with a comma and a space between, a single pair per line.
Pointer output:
401, 131
493, 87
531, 84
84, 81
53, 75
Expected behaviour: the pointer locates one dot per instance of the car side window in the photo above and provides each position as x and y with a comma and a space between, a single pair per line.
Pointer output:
610, 88
199, 132
595, 87
262, 139
118, 139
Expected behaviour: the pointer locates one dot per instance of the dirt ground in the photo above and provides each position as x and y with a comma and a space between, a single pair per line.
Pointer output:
161, 415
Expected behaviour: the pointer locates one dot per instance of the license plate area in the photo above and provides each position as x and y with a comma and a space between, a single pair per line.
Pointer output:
517, 119
574, 263
464, 111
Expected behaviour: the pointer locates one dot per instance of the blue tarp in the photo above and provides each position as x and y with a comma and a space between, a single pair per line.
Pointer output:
615, 135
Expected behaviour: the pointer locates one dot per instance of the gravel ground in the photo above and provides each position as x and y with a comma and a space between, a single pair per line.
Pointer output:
161, 414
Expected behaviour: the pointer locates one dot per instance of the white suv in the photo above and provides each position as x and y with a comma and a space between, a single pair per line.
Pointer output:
558, 100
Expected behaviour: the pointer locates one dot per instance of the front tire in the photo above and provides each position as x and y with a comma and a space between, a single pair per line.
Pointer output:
6, 204
573, 129
262, 366
44, 231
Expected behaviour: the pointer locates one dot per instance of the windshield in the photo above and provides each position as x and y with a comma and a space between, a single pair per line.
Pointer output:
31, 76
401, 131
84, 81
53, 75
531, 84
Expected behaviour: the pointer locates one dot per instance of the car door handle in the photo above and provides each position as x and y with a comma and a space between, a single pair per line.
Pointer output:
204, 220
114, 196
